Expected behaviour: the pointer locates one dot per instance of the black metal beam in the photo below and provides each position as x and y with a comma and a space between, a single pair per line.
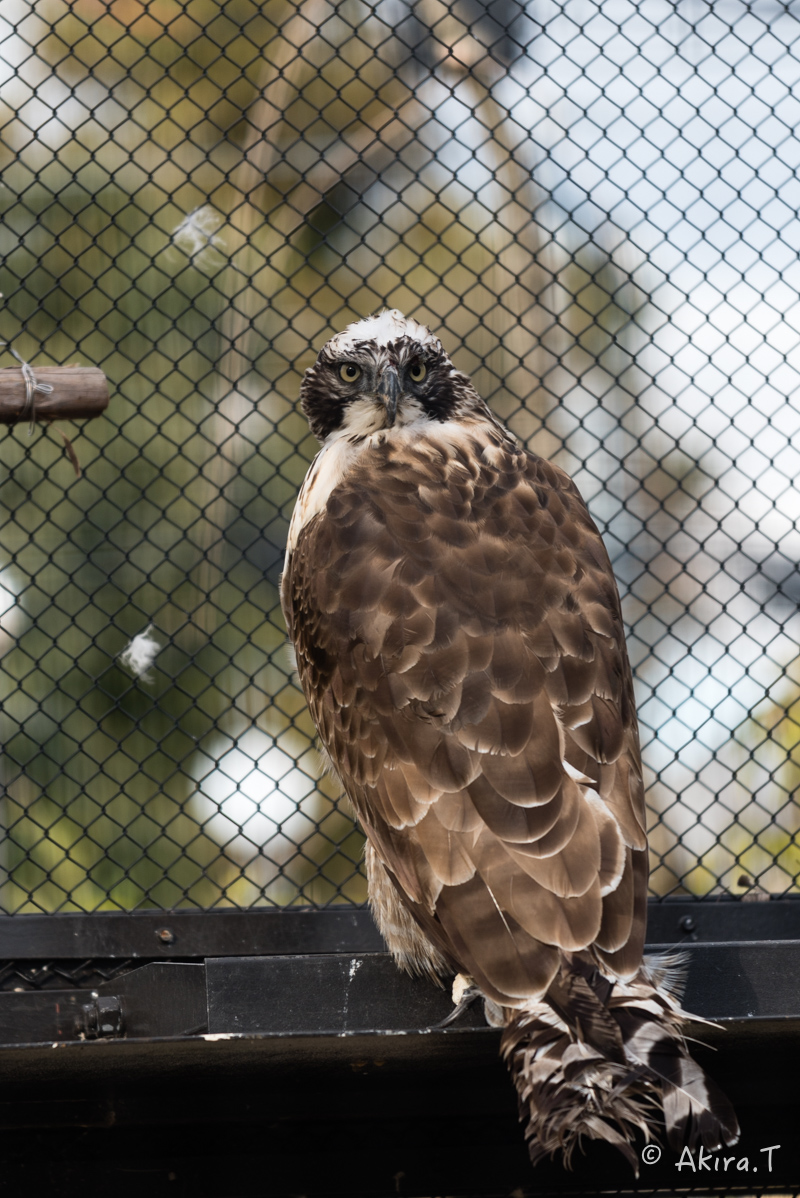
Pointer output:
337, 995
343, 994
187, 934
263, 932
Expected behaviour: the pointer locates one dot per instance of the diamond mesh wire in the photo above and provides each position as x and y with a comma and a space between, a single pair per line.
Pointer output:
593, 204
61, 975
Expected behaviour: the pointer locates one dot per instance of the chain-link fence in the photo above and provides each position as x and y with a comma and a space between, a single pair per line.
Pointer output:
594, 206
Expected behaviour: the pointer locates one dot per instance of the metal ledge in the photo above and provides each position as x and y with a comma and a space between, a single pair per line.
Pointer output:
261, 932
340, 994
186, 934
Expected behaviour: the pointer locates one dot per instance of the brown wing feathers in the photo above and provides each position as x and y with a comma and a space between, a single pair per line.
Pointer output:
452, 675
460, 643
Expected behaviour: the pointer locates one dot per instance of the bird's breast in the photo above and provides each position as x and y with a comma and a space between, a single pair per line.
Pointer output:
341, 454
328, 469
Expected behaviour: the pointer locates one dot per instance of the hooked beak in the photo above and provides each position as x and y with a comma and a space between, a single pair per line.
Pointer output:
388, 392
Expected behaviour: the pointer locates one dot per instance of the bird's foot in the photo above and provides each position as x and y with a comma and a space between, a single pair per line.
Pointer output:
461, 984
464, 992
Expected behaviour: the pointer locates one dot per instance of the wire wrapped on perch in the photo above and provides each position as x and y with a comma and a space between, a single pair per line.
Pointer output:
51, 393
61, 393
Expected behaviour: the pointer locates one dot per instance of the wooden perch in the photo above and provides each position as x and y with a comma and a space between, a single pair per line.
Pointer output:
79, 392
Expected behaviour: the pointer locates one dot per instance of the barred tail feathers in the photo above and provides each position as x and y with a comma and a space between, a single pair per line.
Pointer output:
596, 1060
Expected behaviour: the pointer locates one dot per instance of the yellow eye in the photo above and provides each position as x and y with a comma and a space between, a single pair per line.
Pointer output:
349, 372
417, 371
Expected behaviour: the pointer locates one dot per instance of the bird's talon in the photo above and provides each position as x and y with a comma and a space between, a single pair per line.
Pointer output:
461, 983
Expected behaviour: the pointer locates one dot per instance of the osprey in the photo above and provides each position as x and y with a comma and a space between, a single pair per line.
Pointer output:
460, 644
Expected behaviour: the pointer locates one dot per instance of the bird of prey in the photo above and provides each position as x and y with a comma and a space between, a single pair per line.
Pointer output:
459, 641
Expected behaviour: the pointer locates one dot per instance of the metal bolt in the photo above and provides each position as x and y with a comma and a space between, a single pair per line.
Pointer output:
109, 1017
165, 935
688, 923
101, 1018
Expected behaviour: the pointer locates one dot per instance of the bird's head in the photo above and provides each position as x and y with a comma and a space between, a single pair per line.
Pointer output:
384, 372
